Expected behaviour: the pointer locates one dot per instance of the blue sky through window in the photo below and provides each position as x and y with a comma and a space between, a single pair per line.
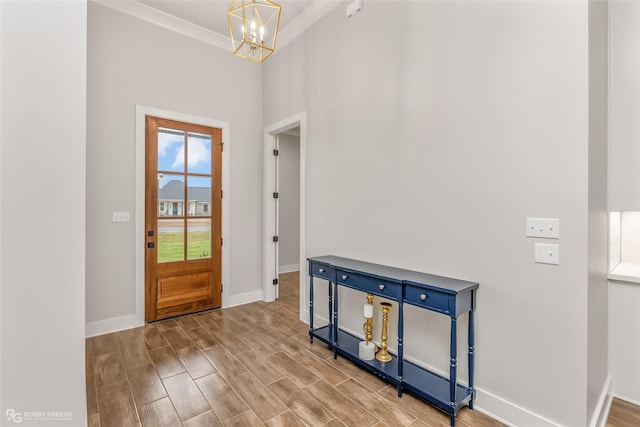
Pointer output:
171, 151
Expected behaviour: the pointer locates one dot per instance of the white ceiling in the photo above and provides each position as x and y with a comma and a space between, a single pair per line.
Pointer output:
212, 14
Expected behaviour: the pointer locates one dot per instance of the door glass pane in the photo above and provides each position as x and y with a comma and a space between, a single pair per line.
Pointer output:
199, 149
199, 238
199, 195
170, 150
170, 240
170, 195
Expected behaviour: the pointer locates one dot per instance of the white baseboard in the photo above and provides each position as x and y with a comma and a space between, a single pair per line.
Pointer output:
288, 268
115, 324
242, 299
122, 323
510, 413
601, 413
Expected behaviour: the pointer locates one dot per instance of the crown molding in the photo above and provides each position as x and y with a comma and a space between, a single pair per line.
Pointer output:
312, 14
170, 22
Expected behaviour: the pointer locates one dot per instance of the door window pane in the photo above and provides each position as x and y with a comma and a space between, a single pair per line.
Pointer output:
199, 195
170, 195
198, 238
170, 150
170, 240
199, 157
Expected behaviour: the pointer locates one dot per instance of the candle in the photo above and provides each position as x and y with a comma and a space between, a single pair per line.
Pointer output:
368, 311
366, 351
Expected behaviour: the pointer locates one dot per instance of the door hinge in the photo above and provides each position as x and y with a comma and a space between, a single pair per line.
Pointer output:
221, 241
275, 195
221, 288
221, 194
275, 281
275, 239
222, 146
275, 152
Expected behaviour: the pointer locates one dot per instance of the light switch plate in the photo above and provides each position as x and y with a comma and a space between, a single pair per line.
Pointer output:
543, 227
547, 254
121, 217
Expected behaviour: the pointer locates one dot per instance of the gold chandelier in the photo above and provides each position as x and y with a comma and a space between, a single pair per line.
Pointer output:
253, 25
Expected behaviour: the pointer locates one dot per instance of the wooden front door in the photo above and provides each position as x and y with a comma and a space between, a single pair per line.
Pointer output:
182, 218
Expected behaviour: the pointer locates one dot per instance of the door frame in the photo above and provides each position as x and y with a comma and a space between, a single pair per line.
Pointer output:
139, 217
269, 208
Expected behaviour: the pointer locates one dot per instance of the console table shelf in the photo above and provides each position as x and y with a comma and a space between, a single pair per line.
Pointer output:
432, 387
348, 348
439, 294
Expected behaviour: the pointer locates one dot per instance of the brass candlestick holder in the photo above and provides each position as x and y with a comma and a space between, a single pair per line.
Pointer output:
368, 324
383, 355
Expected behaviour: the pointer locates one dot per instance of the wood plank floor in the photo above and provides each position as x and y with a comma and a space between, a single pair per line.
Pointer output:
250, 365
623, 414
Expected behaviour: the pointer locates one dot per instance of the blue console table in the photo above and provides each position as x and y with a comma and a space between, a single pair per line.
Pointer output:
444, 295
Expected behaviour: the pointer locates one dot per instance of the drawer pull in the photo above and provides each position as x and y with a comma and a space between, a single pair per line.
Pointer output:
344, 277
381, 287
423, 297
321, 270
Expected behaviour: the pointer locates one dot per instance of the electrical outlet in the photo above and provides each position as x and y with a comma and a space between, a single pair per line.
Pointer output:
547, 254
548, 228
121, 217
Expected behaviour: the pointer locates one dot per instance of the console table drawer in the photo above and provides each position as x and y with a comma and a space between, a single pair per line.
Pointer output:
321, 270
370, 284
429, 299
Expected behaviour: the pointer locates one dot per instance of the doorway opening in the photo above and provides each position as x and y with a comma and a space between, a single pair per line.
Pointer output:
284, 156
138, 319
287, 208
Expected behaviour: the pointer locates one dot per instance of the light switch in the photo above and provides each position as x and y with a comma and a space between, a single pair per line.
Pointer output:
547, 254
121, 217
543, 227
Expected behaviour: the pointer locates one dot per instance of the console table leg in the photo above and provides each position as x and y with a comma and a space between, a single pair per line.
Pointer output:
471, 354
453, 379
400, 345
330, 307
335, 320
311, 309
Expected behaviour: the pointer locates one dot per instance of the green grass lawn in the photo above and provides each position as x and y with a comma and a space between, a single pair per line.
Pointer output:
171, 246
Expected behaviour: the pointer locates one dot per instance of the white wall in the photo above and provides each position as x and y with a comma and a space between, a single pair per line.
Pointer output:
624, 92
134, 62
624, 189
289, 202
42, 195
597, 320
442, 134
